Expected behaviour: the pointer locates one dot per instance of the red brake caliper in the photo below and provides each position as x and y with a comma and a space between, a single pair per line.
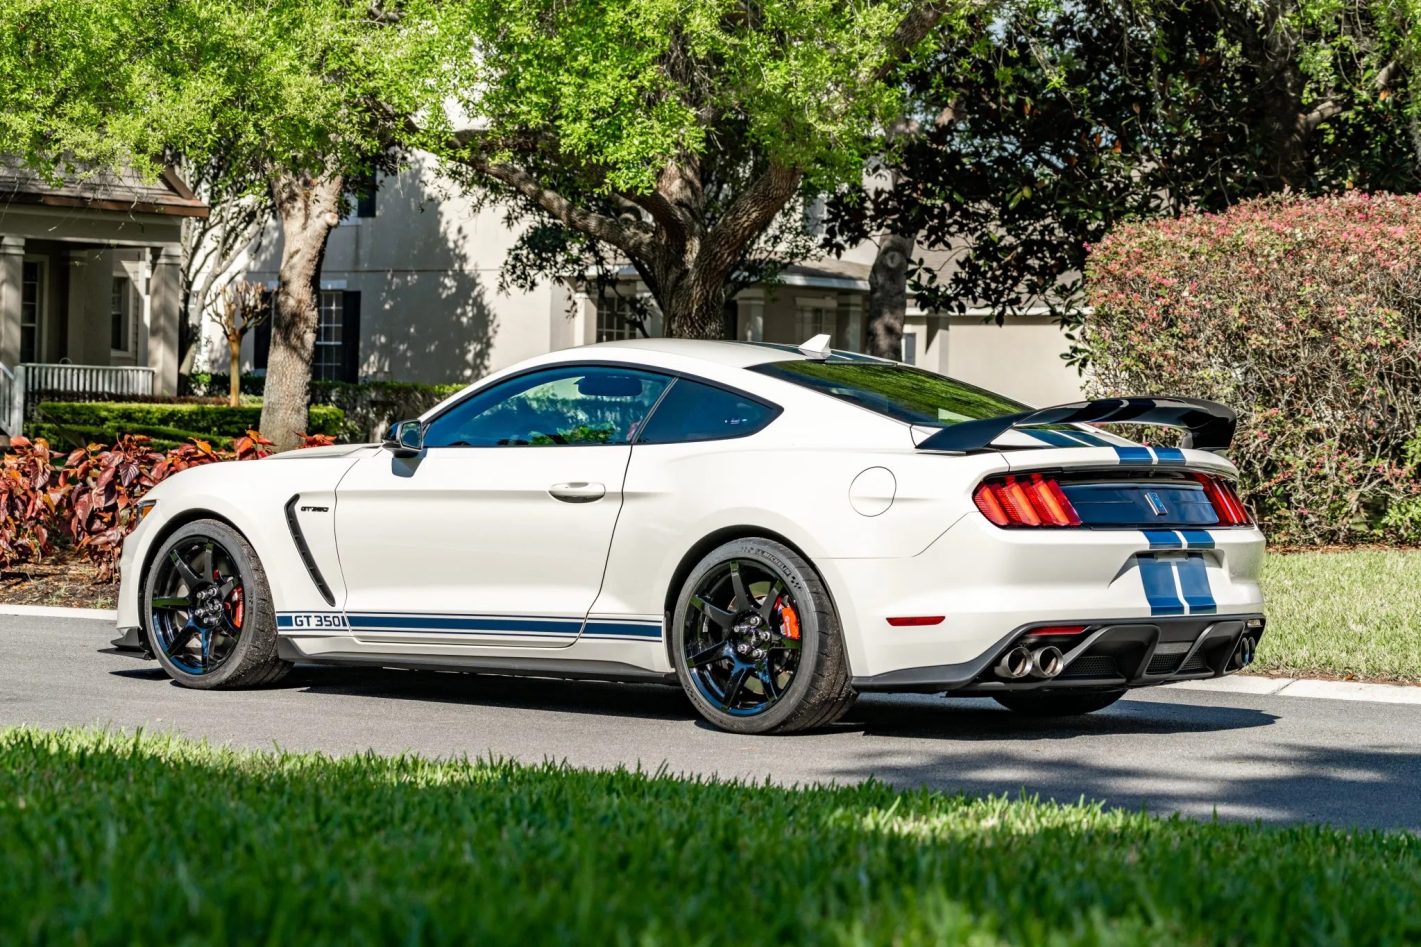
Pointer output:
789, 620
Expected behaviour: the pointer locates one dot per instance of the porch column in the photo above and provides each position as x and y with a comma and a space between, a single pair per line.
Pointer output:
751, 305
12, 274
165, 294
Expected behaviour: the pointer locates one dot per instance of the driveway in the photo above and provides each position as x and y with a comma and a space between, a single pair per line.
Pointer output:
1272, 758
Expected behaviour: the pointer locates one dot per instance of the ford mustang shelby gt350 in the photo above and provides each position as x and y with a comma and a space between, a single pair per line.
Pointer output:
776, 528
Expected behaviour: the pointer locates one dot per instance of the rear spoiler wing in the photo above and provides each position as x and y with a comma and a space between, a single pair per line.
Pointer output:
1210, 426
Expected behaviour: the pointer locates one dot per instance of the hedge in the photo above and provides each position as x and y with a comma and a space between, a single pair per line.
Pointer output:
76, 423
370, 406
1304, 315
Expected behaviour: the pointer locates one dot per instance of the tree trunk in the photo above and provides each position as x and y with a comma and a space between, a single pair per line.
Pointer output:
308, 208
888, 295
691, 309
234, 369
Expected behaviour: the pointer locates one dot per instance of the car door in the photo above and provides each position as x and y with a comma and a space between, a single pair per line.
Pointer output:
497, 532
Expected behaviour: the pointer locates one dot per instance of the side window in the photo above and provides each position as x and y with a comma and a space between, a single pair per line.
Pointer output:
695, 412
569, 404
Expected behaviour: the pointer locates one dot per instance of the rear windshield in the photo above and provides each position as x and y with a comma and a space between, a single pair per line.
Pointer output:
899, 391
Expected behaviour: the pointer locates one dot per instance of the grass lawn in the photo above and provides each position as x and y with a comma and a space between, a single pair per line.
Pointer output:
1346, 614
113, 839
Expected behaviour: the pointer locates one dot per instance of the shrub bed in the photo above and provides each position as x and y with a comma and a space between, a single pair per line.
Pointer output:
1304, 315
371, 407
167, 425
91, 496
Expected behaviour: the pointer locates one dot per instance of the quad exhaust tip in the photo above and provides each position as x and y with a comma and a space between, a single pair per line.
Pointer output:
1015, 664
1245, 651
1042, 663
1047, 662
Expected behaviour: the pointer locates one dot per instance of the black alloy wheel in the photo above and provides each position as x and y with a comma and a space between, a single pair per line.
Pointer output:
756, 641
208, 610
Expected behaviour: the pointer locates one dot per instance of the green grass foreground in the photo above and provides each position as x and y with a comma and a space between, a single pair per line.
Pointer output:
106, 838
1355, 613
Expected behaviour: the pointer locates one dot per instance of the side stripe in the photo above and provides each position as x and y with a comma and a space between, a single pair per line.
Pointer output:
1160, 588
1169, 455
366, 623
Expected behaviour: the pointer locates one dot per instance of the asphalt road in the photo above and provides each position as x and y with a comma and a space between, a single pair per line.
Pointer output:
1275, 759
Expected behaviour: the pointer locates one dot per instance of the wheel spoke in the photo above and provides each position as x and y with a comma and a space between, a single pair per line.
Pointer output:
180, 640
205, 646
707, 655
718, 615
227, 587
767, 678
736, 682
206, 563
742, 597
767, 607
184, 570
172, 601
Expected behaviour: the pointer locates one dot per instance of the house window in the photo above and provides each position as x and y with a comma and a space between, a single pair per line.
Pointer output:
360, 194
617, 316
328, 362
121, 314
813, 319
336, 356
910, 348
31, 306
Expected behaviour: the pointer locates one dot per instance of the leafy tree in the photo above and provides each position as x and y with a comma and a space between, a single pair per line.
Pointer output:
1052, 122
291, 97
675, 134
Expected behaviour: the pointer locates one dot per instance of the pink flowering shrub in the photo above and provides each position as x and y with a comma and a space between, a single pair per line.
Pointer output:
1304, 316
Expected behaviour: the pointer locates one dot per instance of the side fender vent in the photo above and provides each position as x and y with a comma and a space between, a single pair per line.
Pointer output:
299, 538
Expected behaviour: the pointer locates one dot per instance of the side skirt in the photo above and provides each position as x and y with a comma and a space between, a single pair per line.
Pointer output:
565, 668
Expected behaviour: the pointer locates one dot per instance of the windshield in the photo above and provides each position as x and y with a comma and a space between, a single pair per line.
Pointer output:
899, 391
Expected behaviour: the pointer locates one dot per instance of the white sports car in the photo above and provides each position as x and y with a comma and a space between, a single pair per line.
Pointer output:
778, 528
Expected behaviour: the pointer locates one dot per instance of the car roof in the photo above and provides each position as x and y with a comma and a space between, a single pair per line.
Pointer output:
729, 354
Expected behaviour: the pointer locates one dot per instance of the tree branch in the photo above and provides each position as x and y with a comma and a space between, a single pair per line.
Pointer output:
747, 217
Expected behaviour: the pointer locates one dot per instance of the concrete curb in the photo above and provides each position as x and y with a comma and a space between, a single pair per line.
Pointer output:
55, 611
1307, 687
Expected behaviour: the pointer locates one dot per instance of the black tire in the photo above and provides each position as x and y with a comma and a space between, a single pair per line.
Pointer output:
816, 691
1058, 704
245, 632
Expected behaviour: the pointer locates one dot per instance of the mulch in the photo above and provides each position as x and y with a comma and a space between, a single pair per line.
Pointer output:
64, 578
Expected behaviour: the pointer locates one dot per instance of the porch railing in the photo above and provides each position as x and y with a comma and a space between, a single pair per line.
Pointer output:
29, 383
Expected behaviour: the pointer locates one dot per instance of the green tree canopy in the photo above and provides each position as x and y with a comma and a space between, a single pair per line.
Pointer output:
676, 133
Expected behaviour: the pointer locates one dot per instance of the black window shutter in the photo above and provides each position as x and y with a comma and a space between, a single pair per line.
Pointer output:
261, 335
350, 337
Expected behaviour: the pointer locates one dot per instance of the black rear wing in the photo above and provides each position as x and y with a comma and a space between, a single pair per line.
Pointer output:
1210, 426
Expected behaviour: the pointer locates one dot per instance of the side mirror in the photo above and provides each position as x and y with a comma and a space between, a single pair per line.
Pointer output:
404, 438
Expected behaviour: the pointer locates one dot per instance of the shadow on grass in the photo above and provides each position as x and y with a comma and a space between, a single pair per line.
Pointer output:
1164, 755
112, 839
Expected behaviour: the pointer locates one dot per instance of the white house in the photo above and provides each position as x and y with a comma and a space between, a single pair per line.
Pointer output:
409, 292
90, 286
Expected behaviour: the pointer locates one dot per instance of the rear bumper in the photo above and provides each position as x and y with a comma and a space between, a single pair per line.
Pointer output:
1109, 654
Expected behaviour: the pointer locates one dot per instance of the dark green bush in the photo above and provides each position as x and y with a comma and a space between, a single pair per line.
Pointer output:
76, 423
371, 406
1304, 315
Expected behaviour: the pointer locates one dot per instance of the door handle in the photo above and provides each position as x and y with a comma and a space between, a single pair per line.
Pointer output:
577, 492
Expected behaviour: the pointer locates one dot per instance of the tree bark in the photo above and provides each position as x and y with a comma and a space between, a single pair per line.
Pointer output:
234, 370
308, 208
888, 295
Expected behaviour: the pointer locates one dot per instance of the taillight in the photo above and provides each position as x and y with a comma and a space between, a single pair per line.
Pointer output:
1030, 500
1225, 499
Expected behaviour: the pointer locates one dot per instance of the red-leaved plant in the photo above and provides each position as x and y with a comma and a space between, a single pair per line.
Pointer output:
28, 499
100, 488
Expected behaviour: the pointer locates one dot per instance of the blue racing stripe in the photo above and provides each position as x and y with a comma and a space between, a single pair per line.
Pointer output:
1194, 584
1197, 538
1134, 455
1090, 439
622, 629
1163, 539
1157, 576
1054, 438
1169, 455
505, 624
